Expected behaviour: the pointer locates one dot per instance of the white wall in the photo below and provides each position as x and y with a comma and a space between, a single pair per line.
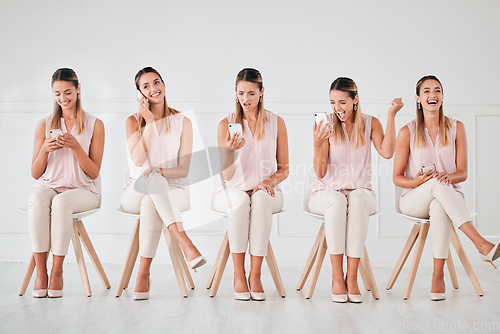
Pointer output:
199, 46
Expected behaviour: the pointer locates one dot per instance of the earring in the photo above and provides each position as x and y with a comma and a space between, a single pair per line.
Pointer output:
260, 98
418, 105
77, 96
237, 99
355, 107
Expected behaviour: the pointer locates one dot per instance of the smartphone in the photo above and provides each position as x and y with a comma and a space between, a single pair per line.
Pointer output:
428, 169
233, 128
320, 116
55, 132
139, 96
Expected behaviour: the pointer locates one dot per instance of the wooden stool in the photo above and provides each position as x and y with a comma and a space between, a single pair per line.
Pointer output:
79, 235
220, 265
418, 235
179, 264
315, 261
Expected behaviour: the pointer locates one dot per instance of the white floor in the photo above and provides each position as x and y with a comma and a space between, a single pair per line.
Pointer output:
167, 312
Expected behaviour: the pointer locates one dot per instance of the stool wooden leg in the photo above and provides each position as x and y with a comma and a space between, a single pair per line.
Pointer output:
80, 260
452, 271
465, 262
184, 267
128, 267
316, 268
175, 261
273, 268
412, 238
27, 276
92, 253
311, 258
216, 264
422, 235
221, 265
370, 279
363, 274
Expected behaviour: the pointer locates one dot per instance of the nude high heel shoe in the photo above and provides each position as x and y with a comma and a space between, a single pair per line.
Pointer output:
241, 295
55, 293
343, 298
143, 295
436, 296
492, 255
355, 298
197, 262
41, 293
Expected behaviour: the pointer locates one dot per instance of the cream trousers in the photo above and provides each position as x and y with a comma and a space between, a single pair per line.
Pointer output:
160, 205
51, 217
443, 206
346, 219
250, 218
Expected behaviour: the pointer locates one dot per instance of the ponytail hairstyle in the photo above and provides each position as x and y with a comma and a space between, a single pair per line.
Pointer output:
167, 111
348, 85
67, 74
252, 75
444, 122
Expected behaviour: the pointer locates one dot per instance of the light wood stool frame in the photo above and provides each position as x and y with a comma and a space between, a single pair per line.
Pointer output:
79, 235
418, 236
220, 265
178, 262
315, 261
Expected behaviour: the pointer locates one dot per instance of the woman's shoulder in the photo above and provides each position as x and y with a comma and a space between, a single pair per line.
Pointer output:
133, 117
367, 116
90, 118
178, 115
269, 113
411, 125
453, 121
133, 122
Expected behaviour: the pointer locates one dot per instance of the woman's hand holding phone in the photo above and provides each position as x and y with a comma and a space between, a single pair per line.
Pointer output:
144, 108
235, 142
421, 177
322, 131
234, 138
51, 145
68, 141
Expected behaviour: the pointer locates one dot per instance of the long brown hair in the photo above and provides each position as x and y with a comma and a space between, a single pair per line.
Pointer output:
251, 75
444, 122
167, 111
348, 85
67, 74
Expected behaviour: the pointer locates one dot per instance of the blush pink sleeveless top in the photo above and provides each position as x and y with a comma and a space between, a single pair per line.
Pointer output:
63, 172
163, 151
349, 167
256, 160
443, 157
